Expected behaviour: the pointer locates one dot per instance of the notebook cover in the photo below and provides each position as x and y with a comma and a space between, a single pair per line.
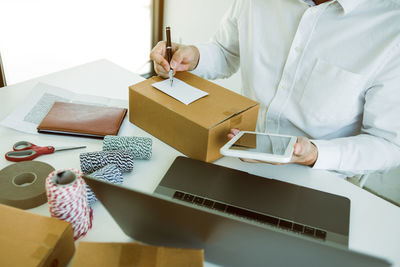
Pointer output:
82, 120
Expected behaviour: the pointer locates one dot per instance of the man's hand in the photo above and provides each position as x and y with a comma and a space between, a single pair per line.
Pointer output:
304, 153
184, 58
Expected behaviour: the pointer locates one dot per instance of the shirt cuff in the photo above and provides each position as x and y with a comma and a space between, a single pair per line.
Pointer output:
204, 60
329, 156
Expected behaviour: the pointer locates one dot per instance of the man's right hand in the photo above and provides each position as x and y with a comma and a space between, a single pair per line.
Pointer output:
184, 58
304, 153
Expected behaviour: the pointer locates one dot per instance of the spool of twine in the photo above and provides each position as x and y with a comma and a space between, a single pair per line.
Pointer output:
67, 198
140, 147
93, 161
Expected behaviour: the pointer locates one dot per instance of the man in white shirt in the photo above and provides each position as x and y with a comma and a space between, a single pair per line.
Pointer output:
328, 71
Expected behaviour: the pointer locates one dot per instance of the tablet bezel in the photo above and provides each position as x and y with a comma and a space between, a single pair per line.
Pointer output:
285, 158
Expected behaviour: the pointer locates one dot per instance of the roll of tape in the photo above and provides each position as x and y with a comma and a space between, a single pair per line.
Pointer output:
22, 184
92, 161
109, 173
141, 147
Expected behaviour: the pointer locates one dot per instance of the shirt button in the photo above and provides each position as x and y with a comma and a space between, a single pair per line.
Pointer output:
284, 87
298, 49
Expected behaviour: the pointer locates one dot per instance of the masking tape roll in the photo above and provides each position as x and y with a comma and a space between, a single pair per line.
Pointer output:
22, 184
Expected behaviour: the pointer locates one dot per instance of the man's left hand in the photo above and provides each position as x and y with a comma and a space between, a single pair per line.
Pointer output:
305, 152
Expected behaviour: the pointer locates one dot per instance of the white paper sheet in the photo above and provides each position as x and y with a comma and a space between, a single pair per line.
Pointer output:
180, 90
28, 115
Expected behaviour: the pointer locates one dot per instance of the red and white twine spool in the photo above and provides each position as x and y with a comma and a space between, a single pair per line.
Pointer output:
68, 201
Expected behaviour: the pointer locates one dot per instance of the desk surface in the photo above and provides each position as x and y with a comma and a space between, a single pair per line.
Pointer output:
374, 223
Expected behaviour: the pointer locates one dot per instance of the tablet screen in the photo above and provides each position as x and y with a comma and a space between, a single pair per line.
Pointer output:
262, 143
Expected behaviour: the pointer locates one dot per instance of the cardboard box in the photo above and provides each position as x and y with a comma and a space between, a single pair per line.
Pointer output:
199, 129
134, 254
28, 239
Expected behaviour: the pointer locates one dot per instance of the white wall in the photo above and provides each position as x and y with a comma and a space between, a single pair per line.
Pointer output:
194, 22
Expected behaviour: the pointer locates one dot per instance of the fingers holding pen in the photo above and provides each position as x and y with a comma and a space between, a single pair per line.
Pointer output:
157, 55
161, 71
178, 62
184, 58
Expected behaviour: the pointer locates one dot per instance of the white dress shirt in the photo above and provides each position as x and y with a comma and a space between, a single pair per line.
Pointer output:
330, 72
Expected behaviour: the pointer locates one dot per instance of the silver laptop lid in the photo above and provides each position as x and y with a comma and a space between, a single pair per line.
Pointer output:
227, 240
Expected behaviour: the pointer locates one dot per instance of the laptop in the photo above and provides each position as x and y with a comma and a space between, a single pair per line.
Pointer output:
239, 219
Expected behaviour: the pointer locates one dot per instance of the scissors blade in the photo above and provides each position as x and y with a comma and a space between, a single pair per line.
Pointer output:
67, 148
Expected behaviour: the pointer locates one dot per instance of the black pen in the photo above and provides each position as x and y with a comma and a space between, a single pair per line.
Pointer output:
169, 54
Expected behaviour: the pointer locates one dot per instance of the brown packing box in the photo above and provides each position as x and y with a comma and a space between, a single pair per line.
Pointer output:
28, 239
134, 254
199, 129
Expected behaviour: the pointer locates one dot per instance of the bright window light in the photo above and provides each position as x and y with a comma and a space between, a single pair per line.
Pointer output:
43, 36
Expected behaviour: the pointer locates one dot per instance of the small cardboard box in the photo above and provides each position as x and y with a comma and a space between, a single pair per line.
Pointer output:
28, 239
199, 129
134, 254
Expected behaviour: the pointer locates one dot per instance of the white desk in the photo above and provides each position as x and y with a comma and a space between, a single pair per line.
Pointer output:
374, 223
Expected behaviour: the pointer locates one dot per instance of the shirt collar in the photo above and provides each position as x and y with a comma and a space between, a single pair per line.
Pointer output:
349, 5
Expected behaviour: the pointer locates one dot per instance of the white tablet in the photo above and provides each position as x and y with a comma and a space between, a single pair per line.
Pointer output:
260, 146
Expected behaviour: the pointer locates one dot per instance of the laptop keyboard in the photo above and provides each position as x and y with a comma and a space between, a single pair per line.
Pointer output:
261, 218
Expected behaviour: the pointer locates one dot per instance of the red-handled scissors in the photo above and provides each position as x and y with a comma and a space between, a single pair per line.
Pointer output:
24, 150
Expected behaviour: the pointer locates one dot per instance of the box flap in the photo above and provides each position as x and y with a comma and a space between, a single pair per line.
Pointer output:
22, 252
134, 254
19, 224
208, 111
23, 231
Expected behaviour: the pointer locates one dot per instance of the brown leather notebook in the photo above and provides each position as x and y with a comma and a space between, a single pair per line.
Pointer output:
82, 120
